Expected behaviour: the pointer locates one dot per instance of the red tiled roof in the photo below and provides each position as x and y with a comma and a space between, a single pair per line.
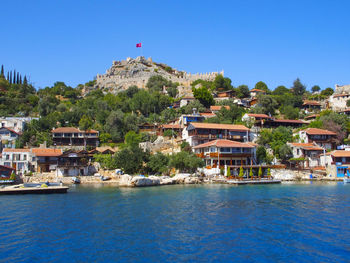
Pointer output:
224, 143
340, 153
258, 90
340, 95
208, 114
316, 131
188, 98
219, 108
311, 102
307, 146
71, 130
18, 133
46, 152
312, 116
259, 116
202, 125
11, 150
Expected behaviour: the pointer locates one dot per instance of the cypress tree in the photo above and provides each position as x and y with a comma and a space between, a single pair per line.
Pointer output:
10, 77
2, 71
14, 77
20, 79
25, 82
17, 78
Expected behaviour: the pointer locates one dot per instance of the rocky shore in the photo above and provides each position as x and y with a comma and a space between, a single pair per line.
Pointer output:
180, 178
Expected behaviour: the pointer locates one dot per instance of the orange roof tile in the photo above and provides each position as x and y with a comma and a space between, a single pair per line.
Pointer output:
316, 131
311, 102
203, 125
208, 114
171, 126
258, 90
259, 116
307, 146
340, 153
71, 130
340, 95
224, 143
219, 108
46, 152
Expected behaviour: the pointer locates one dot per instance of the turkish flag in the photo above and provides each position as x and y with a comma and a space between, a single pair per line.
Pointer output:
139, 45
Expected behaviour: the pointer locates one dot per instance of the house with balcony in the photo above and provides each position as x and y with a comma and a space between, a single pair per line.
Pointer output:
308, 154
311, 106
18, 159
323, 138
8, 138
70, 136
256, 92
73, 163
224, 95
148, 127
45, 159
337, 163
176, 128
198, 133
221, 152
256, 119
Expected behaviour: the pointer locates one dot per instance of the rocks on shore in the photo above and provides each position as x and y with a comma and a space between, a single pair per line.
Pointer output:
137, 181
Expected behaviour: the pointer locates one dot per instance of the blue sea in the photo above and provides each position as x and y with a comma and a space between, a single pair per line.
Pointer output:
179, 223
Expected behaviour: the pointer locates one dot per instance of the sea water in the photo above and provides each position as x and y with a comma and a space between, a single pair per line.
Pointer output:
179, 223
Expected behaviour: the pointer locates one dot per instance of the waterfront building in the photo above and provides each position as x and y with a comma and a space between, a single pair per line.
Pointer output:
337, 163
5, 172
18, 159
225, 152
70, 136
73, 163
322, 138
307, 153
198, 133
45, 159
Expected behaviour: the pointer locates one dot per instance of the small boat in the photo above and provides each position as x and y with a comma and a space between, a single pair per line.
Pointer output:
75, 180
346, 180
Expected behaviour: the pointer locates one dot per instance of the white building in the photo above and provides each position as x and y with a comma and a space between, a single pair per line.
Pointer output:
322, 138
16, 123
19, 159
309, 152
8, 138
337, 102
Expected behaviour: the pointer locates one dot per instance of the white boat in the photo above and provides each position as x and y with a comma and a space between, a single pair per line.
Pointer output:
346, 180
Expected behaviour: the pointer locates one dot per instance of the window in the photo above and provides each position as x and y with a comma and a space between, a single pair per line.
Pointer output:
24, 157
298, 151
212, 149
225, 150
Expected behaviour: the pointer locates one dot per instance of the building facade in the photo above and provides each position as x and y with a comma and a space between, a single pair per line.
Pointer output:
70, 136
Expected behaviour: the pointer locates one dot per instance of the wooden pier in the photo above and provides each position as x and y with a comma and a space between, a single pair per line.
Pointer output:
262, 181
14, 190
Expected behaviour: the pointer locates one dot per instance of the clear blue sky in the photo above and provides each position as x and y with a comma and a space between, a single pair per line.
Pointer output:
273, 41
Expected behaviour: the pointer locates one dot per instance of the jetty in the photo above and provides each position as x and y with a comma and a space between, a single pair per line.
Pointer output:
33, 189
262, 181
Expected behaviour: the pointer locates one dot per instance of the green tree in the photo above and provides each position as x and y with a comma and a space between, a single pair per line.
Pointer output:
348, 103
327, 92
285, 152
186, 162
132, 139
298, 88
262, 86
2, 73
221, 83
268, 104
315, 88
242, 91
204, 96
251, 173
261, 154
260, 173
280, 90
158, 163
130, 160
241, 172
228, 171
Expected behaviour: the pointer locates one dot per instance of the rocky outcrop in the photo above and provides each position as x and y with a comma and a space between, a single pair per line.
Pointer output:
138, 181
126, 73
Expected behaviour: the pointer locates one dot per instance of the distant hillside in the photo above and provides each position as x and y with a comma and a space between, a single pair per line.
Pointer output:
126, 73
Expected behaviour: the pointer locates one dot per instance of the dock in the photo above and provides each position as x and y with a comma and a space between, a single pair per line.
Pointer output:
262, 181
14, 190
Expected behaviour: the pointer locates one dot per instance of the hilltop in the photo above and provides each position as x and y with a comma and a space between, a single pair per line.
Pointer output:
137, 72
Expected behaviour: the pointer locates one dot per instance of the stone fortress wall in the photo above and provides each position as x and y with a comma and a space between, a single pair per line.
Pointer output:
137, 71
